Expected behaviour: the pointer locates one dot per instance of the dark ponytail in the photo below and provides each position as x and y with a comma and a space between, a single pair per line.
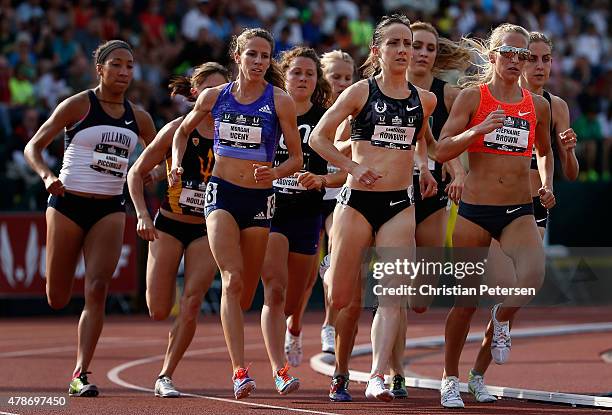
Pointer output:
371, 66
181, 85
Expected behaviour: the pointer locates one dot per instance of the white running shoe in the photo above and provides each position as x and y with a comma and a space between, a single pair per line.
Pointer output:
293, 349
165, 389
449, 393
324, 266
377, 390
328, 339
501, 343
477, 388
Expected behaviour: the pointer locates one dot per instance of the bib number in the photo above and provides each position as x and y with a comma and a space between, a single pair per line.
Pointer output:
110, 159
288, 185
399, 138
240, 131
513, 137
271, 206
211, 194
192, 200
344, 196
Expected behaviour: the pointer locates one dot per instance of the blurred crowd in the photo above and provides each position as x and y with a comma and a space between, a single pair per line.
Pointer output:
46, 54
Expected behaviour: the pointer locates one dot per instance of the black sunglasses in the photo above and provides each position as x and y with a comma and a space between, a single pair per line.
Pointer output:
508, 52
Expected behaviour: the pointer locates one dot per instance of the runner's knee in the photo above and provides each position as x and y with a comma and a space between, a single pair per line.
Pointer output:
232, 284
57, 300
190, 306
274, 294
95, 292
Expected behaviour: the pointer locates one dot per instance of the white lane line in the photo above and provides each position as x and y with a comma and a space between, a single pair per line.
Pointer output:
7, 413
324, 363
104, 343
39, 351
114, 376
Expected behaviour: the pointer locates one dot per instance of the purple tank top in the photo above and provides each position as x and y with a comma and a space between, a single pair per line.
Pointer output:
249, 132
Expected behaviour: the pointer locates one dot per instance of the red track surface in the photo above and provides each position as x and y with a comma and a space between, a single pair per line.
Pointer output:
37, 356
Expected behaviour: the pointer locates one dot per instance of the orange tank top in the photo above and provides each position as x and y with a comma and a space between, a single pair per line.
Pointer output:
517, 135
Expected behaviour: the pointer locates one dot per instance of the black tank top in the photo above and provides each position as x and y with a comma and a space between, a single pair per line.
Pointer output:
389, 122
553, 135
436, 122
187, 196
288, 191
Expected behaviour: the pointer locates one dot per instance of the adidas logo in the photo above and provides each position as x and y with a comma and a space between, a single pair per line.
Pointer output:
266, 109
260, 215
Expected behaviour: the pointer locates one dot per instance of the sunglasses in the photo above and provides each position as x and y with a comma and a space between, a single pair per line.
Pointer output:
508, 52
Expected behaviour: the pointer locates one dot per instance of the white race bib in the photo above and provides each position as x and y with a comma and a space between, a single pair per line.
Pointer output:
288, 184
393, 137
243, 136
192, 199
512, 137
107, 162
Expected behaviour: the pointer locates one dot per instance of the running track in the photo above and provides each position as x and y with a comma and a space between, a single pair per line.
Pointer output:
37, 356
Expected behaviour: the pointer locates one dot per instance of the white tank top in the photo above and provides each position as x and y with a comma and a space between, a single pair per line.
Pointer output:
97, 150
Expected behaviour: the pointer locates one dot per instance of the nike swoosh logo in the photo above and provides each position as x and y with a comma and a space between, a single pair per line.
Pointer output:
411, 108
396, 203
540, 220
522, 114
512, 210
129, 122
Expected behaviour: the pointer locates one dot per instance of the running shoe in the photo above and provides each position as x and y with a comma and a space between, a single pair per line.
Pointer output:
338, 391
328, 339
377, 390
243, 384
164, 388
449, 393
501, 343
80, 386
398, 387
477, 388
284, 383
293, 349
324, 266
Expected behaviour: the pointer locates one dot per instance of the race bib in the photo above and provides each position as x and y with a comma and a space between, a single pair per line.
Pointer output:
344, 196
513, 137
110, 159
399, 138
192, 199
288, 185
240, 131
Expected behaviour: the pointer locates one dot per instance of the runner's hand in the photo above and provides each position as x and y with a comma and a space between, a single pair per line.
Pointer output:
263, 173
54, 186
364, 175
310, 180
568, 139
455, 188
547, 198
492, 122
175, 175
427, 184
145, 229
